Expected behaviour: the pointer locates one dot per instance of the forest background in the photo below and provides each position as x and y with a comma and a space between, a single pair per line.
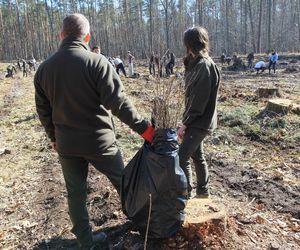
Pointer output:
30, 27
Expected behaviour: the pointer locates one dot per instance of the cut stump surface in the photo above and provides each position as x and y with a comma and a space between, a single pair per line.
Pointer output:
206, 219
199, 211
279, 106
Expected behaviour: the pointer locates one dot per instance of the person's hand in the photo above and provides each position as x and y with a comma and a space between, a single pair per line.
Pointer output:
148, 134
53, 145
181, 132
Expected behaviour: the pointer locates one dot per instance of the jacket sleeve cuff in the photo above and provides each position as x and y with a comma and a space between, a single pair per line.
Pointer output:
148, 134
141, 127
51, 137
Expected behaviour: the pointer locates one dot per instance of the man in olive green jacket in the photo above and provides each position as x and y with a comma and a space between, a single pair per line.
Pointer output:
75, 89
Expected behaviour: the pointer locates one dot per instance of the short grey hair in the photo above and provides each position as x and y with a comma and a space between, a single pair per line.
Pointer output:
76, 25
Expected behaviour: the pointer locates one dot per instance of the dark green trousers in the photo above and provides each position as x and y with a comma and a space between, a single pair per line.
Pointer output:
192, 147
75, 171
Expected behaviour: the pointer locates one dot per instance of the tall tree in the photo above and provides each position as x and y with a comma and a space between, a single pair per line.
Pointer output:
269, 23
259, 27
31, 26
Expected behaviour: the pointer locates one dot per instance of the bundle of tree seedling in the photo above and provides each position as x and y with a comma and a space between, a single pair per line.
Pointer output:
155, 208
168, 102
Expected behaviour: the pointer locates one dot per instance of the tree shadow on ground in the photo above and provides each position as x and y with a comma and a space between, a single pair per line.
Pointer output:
119, 237
57, 243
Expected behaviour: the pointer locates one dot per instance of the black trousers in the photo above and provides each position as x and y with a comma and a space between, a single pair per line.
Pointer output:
273, 65
120, 67
152, 69
192, 147
169, 69
75, 171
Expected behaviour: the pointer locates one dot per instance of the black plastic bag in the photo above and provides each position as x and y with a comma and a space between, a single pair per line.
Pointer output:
155, 170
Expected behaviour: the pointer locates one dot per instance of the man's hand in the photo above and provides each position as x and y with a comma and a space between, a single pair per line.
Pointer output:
181, 132
53, 144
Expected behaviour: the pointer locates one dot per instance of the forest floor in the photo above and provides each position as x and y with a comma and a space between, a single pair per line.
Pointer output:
254, 163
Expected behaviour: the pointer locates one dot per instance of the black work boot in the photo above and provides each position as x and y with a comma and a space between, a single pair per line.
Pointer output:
98, 240
202, 193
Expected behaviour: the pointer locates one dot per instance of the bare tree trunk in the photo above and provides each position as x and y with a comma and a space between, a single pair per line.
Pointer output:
167, 23
259, 27
269, 23
244, 30
125, 10
252, 26
227, 26
30, 26
200, 11
50, 22
20, 47
217, 30
151, 25
283, 39
298, 23
246, 25
166, 4
3, 35
142, 30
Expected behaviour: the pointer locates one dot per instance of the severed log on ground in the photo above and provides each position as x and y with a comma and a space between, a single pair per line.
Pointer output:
279, 106
267, 92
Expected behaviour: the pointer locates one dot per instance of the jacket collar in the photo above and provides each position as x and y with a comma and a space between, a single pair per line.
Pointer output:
72, 42
192, 62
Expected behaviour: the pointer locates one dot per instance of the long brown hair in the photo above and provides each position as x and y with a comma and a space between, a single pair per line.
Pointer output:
196, 39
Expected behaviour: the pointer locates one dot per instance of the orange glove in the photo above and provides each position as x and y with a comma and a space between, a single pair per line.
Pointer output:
181, 131
148, 134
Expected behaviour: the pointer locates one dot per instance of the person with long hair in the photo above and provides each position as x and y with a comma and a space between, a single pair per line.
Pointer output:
202, 79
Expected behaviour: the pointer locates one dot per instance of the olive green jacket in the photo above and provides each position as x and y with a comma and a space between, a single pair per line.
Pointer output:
74, 91
202, 81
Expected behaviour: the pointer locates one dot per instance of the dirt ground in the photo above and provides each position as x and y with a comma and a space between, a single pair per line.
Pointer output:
254, 161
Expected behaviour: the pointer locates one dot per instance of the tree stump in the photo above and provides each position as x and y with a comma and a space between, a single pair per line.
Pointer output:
205, 217
204, 225
296, 109
291, 69
267, 92
279, 106
199, 211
